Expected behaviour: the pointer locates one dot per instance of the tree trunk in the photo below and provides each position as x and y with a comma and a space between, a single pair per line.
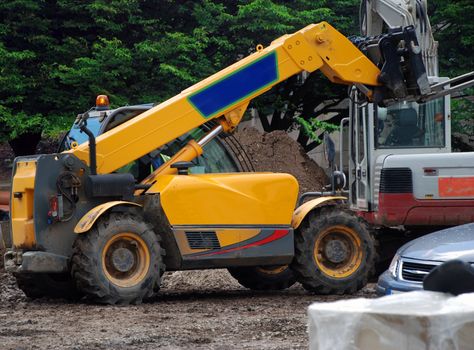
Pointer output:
25, 144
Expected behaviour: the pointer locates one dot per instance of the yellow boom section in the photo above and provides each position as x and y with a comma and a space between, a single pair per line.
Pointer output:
228, 92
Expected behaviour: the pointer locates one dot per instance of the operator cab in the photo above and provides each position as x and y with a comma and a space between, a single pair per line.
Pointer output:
220, 155
409, 124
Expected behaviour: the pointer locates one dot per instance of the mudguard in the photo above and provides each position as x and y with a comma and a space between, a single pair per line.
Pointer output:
88, 220
300, 213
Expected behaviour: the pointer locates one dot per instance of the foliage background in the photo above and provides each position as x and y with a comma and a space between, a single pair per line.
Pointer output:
56, 56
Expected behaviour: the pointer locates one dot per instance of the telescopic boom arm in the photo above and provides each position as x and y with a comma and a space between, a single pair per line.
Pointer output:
225, 95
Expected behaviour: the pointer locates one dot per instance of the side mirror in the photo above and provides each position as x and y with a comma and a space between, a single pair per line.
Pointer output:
329, 149
338, 180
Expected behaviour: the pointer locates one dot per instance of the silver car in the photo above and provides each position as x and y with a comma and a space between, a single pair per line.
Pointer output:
414, 260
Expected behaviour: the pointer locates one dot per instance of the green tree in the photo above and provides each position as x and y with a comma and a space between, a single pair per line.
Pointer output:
456, 36
57, 55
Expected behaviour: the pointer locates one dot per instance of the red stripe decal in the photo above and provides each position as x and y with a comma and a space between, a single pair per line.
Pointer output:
277, 234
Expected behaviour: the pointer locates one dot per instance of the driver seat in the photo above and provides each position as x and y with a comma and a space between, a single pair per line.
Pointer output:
406, 129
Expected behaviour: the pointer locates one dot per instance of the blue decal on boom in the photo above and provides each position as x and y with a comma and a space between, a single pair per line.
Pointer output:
236, 86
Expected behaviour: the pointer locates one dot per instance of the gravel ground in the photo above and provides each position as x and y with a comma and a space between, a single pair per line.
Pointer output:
198, 309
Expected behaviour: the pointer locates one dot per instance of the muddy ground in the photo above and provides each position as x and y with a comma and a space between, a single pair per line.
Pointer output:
195, 309
207, 311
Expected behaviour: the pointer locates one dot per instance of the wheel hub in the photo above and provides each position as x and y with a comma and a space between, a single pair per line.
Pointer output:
336, 251
126, 259
123, 259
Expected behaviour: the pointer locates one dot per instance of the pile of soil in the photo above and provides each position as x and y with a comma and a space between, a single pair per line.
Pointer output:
201, 279
10, 294
277, 152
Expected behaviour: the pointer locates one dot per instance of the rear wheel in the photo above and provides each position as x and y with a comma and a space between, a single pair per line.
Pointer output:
44, 285
264, 277
334, 252
119, 261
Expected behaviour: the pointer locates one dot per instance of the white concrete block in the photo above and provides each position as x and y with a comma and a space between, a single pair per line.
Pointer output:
415, 321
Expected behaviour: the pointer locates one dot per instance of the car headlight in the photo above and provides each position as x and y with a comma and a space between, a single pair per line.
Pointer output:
393, 268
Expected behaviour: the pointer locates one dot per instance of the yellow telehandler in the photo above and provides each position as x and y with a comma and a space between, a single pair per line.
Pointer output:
80, 228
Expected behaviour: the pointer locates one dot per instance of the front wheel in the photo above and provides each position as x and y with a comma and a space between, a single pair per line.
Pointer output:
334, 252
119, 261
264, 277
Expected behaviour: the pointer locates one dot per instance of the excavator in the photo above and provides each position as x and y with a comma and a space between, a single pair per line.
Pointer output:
396, 165
401, 169
80, 228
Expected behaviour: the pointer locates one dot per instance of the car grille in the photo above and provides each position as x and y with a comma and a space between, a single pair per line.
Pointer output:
415, 272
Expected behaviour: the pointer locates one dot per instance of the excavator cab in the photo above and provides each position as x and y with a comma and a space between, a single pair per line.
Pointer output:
374, 134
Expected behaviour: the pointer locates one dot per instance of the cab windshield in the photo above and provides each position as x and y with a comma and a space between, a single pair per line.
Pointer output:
76, 135
409, 124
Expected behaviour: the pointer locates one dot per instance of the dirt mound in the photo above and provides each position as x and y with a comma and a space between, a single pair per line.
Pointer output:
9, 292
199, 280
278, 152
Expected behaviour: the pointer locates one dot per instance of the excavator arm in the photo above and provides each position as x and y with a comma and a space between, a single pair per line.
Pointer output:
225, 95
376, 16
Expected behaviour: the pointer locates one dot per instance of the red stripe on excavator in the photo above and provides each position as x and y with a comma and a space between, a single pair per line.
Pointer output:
456, 186
404, 209
277, 234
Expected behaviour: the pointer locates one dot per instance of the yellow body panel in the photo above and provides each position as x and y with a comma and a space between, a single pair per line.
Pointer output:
303, 210
318, 46
88, 220
23, 233
227, 199
231, 236
186, 154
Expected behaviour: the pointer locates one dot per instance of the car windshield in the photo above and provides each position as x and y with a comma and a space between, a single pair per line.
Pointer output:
409, 124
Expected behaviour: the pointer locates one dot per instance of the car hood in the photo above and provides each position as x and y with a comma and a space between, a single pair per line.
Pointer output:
452, 243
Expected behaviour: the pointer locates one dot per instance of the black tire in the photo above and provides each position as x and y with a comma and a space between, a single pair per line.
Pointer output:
265, 277
345, 249
110, 264
43, 285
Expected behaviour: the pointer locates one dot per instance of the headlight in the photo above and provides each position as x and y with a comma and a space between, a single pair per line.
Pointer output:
393, 268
